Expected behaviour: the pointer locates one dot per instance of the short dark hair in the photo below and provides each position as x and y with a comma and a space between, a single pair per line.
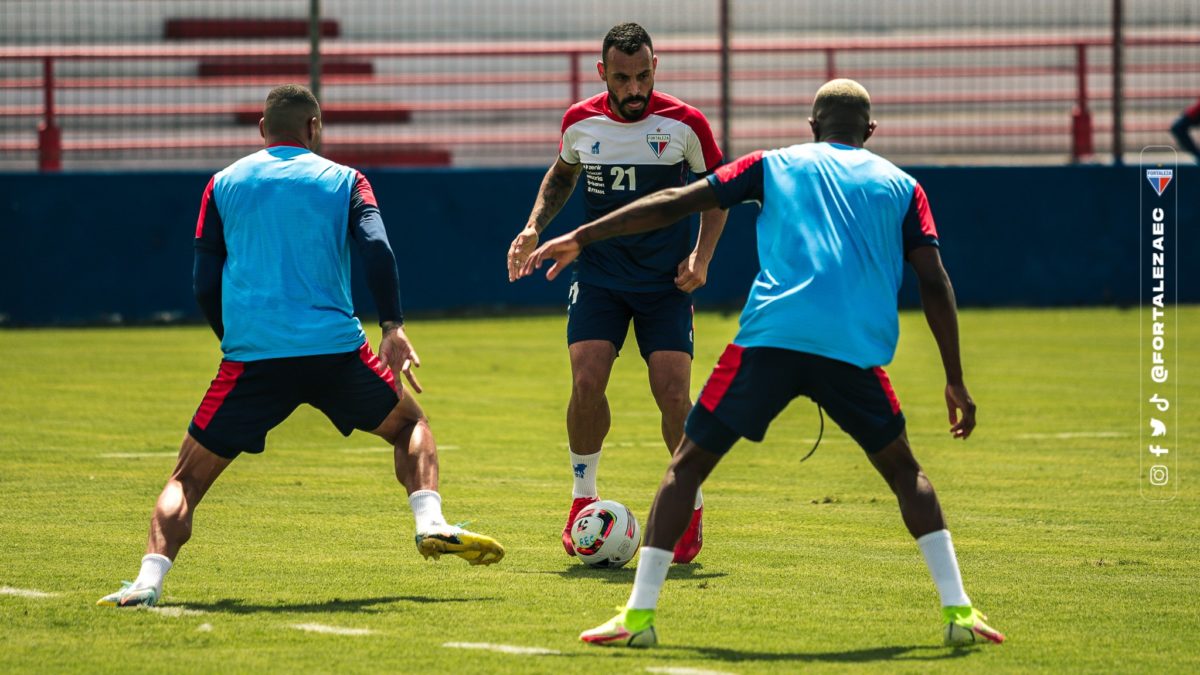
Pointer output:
289, 107
628, 37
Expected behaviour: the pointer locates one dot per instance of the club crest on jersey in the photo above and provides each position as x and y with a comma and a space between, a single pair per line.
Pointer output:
658, 143
596, 148
1159, 179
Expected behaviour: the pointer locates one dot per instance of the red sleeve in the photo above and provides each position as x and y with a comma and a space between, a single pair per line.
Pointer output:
918, 228
362, 193
708, 143
739, 181
210, 230
1193, 113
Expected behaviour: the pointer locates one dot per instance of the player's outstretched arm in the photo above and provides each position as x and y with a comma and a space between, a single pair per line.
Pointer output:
692, 272
937, 298
648, 213
557, 186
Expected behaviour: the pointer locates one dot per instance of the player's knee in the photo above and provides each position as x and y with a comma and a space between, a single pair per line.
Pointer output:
405, 428
672, 397
691, 464
588, 388
907, 479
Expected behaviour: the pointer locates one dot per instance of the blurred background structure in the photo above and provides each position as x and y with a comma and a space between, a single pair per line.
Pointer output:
1026, 121
136, 84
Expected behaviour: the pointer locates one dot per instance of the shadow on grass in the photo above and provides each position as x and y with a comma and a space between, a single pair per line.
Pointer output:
624, 575
238, 606
894, 654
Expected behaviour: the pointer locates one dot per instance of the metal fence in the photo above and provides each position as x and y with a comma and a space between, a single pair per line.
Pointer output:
102, 84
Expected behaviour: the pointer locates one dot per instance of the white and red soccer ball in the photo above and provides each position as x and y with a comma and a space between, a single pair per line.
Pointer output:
605, 534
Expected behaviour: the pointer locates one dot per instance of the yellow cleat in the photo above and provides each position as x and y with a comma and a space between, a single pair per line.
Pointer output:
476, 549
967, 626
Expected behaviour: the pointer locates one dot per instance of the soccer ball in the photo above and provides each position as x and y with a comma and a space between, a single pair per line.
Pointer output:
605, 534
955, 635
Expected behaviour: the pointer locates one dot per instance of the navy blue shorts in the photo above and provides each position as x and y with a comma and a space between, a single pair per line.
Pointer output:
248, 399
662, 320
751, 385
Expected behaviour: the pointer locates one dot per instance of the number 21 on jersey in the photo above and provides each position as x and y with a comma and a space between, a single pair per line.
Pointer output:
624, 178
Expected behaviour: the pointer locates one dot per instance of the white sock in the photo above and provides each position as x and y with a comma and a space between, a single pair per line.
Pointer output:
427, 509
653, 564
943, 566
584, 468
154, 567
699, 500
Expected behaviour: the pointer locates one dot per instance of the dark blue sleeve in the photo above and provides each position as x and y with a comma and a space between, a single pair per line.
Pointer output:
206, 284
918, 228
366, 228
739, 181
209, 261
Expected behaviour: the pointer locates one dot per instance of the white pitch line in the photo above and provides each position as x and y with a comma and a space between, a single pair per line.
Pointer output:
1074, 434
503, 649
204, 628
385, 449
174, 611
331, 630
137, 455
25, 592
672, 670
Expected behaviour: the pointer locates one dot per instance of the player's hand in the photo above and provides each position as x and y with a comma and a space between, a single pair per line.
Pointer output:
692, 273
958, 402
562, 250
398, 354
519, 251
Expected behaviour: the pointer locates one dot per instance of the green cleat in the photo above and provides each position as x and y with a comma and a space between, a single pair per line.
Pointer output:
630, 628
130, 597
476, 549
967, 626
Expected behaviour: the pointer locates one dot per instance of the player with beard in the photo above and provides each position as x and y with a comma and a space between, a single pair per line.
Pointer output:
628, 141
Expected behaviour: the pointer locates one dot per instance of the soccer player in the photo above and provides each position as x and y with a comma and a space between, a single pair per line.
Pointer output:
272, 276
836, 224
1182, 129
628, 142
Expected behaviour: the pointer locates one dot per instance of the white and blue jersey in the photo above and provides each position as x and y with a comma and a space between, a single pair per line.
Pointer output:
624, 160
835, 226
282, 219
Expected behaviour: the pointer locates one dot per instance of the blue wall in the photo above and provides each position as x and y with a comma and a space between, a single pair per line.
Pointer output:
86, 247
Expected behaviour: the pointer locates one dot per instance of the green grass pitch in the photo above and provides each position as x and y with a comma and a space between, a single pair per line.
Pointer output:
806, 566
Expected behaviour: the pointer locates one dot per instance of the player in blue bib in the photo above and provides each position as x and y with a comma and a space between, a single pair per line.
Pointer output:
628, 142
272, 276
836, 225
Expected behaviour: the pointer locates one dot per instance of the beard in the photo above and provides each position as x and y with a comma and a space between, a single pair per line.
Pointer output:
622, 105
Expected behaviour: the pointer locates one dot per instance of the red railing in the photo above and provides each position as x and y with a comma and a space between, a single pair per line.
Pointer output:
576, 57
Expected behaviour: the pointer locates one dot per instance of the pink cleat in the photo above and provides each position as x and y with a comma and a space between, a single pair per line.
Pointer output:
692, 540
576, 506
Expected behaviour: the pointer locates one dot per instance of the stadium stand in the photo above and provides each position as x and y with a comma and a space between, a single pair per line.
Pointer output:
186, 94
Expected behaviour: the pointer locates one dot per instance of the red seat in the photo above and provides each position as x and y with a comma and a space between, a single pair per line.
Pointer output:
189, 28
228, 68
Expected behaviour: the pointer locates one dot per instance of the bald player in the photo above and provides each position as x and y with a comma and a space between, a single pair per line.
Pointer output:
272, 276
837, 223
